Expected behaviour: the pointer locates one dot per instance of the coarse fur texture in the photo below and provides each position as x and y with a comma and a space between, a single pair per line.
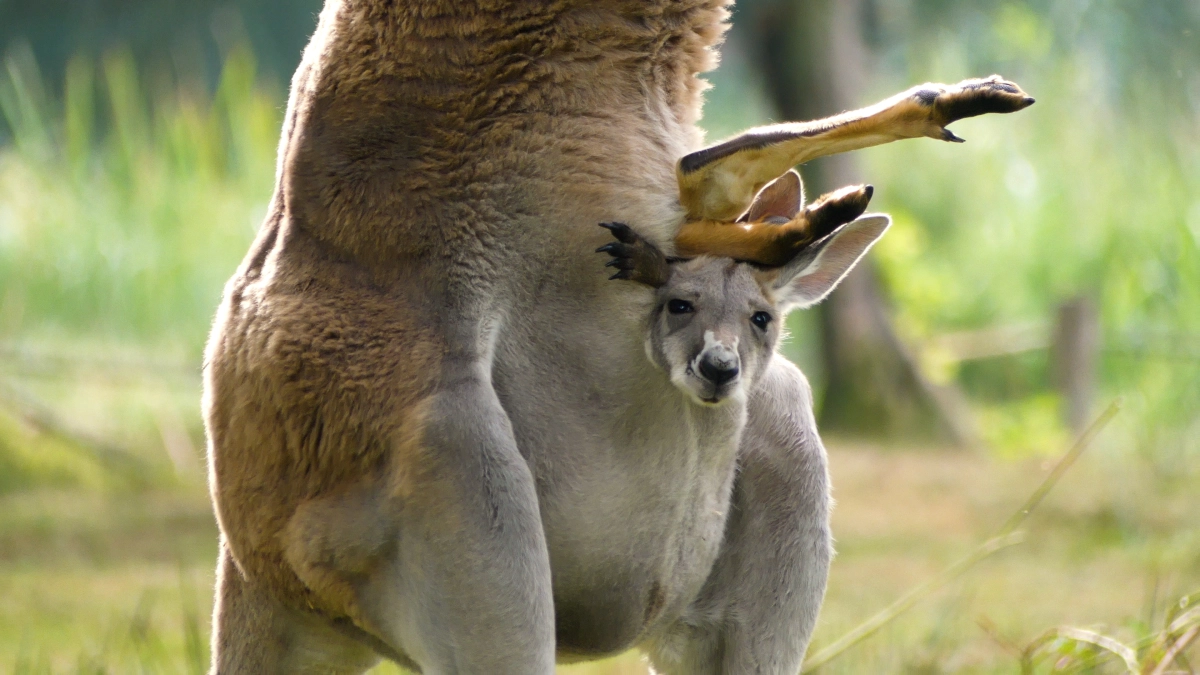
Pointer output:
434, 434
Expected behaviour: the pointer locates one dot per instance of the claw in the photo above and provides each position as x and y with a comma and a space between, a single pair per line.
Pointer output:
619, 250
621, 231
948, 135
833, 210
634, 258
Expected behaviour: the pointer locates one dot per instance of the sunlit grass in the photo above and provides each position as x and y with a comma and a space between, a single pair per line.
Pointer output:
123, 210
122, 582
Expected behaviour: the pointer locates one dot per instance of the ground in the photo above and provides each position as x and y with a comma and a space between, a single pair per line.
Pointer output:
118, 582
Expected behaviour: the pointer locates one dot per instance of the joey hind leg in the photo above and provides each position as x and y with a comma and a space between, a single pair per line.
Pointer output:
777, 226
758, 608
466, 589
719, 182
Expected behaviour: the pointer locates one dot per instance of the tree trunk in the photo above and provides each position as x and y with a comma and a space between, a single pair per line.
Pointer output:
813, 55
1074, 354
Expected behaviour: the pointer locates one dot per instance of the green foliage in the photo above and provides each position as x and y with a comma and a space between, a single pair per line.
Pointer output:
126, 233
1090, 192
1146, 51
187, 39
28, 458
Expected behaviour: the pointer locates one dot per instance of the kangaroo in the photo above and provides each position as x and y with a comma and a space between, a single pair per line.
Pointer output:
433, 435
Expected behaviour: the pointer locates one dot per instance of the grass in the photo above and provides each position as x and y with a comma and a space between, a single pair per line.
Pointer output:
121, 582
1006, 536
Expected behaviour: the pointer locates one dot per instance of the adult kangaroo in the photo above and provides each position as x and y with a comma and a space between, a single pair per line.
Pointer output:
435, 434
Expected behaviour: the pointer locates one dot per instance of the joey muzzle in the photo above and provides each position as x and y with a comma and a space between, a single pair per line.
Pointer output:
719, 365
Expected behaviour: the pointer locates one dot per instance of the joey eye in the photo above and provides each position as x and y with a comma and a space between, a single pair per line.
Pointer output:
761, 319
680, 307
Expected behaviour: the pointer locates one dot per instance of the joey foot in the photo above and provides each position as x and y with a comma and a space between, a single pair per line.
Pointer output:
831, 211
940, 104
765, 242
635, 258
815, 221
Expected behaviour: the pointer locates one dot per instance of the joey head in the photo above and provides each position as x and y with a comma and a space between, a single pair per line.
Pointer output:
716, 322
713, 325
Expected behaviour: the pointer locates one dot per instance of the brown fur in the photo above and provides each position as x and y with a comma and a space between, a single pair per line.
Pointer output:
425, 151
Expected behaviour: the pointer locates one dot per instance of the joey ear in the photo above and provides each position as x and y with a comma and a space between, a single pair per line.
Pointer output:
818, 269
781, 198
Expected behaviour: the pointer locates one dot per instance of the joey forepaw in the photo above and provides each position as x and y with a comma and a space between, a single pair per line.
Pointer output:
635, 258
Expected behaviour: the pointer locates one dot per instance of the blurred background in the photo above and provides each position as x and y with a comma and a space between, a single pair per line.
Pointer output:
1033, 275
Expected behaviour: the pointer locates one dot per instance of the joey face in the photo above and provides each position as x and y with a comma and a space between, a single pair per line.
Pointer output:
716, 321
713, 329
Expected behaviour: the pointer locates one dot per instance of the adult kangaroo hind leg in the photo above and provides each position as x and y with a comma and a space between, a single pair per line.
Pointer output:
255, 633
469, 591
392, 509
461, 580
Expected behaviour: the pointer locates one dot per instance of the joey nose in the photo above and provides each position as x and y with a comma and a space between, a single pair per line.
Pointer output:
718, 370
